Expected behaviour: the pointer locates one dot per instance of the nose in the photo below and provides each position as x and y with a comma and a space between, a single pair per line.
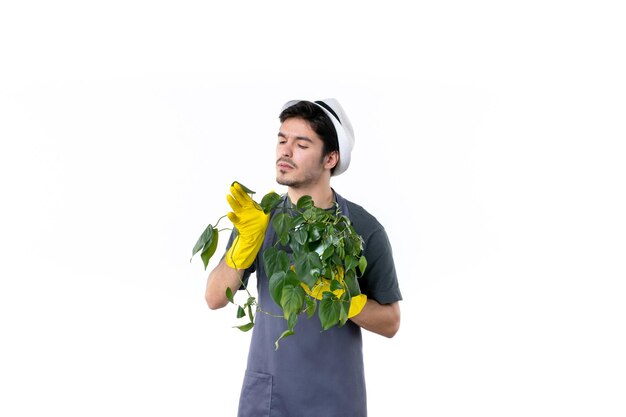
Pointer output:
285, 149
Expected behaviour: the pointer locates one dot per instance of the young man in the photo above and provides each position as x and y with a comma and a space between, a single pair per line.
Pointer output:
313, 373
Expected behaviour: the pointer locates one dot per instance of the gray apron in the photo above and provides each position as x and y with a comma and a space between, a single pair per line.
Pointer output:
313, 373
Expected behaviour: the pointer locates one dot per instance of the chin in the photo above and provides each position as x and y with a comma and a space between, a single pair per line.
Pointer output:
282, 180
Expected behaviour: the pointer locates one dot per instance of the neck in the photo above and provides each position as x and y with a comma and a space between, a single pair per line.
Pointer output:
322, 198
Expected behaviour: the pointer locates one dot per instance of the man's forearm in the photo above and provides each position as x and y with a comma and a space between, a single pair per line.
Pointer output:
383, 319
219, 279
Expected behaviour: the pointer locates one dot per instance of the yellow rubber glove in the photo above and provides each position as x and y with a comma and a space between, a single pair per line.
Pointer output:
323, 284
356, 304
251, 223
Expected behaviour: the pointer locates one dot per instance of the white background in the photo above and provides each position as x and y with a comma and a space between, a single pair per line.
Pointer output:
489, 143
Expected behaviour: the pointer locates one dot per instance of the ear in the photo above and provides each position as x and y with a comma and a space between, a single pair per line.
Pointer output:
331, 160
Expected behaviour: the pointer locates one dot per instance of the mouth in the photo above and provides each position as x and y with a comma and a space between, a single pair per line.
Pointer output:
284, 165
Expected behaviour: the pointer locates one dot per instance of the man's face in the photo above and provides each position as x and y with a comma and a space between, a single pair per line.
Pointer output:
299, 161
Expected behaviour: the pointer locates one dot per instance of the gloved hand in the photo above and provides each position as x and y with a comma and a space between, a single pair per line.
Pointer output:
251, 223
322, 285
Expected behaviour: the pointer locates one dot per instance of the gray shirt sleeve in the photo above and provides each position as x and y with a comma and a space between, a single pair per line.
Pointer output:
380, 280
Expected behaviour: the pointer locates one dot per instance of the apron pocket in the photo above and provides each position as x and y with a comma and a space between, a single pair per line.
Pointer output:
256, 395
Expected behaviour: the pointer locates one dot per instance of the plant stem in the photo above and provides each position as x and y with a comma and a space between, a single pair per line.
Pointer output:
218, 221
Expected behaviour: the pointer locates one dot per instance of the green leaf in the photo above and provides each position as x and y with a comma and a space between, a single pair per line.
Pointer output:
297, 250
305, 202
281, 225
350, 262
328, 312
270, 201
351, 283
315, 232
344, 308
282, 336
362, 265
309, 215
204, 238
292, 299
240, 312
269, 260
243, 187
348, 245
209, 250
311, 306
341, 252
292, 320
300, 236
308, 268
245, 327
335, 285
297, 221
328, 252
278, 281
275, 260
229, 294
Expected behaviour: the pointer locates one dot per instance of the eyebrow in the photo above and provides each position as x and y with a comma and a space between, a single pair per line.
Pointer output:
304, 138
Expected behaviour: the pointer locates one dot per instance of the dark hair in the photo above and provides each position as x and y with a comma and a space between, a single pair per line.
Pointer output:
319, 122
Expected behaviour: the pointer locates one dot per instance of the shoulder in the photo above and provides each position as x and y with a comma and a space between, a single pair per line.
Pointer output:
365, 223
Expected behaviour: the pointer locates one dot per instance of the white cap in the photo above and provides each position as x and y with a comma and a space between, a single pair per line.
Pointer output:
345, 133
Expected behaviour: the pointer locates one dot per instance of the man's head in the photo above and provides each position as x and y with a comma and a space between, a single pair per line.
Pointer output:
329, 121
